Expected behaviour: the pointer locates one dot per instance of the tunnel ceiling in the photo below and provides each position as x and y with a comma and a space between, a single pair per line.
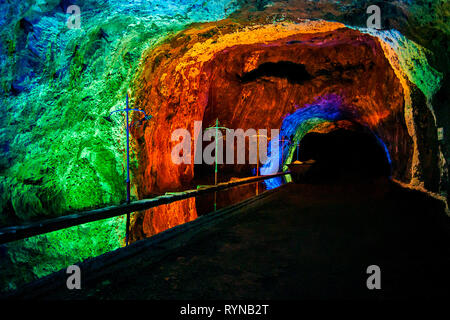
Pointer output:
260, 76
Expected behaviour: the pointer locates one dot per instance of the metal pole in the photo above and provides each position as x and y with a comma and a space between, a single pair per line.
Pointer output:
128, 186
128, 156
215, 169
282, 145
128, 175
217, 133
257, 152
257, 160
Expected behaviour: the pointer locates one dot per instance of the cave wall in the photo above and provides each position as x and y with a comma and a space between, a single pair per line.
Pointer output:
150, 222
58, 154
56, 83
198, 75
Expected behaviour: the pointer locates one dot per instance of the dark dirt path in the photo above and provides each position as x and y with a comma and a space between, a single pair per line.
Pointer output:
301, 242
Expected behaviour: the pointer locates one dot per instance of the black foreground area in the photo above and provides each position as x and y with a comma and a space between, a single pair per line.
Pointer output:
300, 242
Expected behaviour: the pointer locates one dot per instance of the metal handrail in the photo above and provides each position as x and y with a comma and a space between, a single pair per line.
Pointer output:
14, 233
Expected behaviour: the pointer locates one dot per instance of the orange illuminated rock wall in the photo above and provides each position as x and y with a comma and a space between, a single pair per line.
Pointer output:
198, 75
155, 220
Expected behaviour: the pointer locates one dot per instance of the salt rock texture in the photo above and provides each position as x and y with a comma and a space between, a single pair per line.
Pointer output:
197, 75
419, 33
58, 154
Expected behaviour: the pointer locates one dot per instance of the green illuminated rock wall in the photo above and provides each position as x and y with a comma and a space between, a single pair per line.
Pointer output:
58, 153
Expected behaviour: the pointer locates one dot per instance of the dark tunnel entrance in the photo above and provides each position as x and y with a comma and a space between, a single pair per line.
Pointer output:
344, 155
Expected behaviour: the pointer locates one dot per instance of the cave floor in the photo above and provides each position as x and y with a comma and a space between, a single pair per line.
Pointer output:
300, 242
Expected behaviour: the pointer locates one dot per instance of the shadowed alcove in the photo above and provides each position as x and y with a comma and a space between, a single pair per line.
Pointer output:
344, 155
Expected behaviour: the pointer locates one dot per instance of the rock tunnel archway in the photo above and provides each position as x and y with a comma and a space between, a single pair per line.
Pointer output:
344, 154
232, 72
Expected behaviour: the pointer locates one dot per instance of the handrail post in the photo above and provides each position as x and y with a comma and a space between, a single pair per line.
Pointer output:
127, 232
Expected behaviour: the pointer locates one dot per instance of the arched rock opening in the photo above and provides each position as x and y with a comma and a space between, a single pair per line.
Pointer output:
344, 155
228, 71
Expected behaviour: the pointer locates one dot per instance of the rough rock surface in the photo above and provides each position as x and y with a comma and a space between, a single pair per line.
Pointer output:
198, 76
58, 154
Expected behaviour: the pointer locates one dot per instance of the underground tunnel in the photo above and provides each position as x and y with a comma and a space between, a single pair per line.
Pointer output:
365, 104
344, 155
298, 78
339, 74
